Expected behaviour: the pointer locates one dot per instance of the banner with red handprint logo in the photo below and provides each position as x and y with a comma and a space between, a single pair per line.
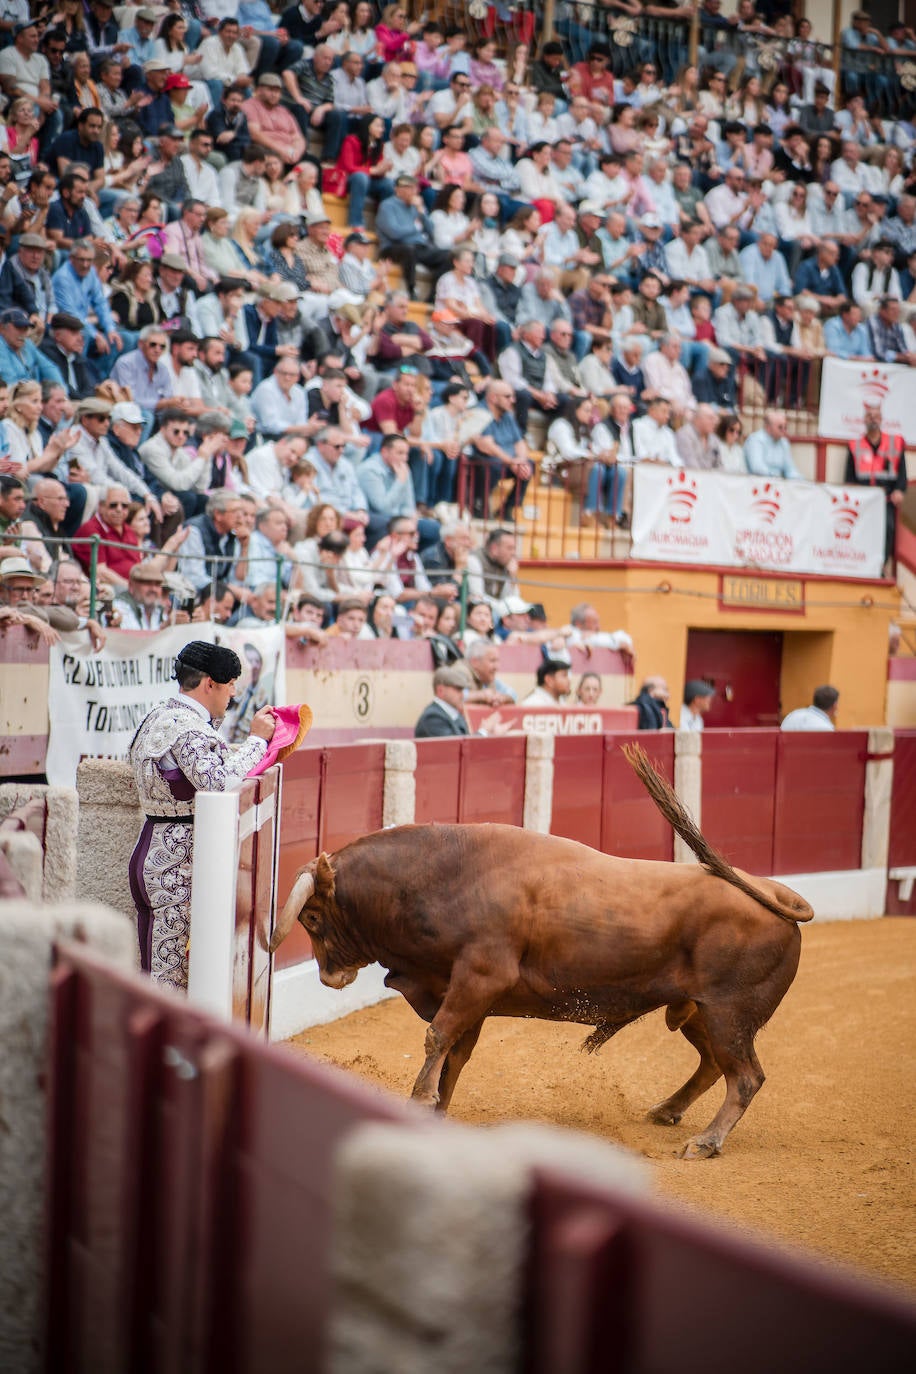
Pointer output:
724, 520
848, 387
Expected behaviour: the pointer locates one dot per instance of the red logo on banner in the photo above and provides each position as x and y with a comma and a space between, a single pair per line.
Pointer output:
681, 499
766, 503
844, 510
874, 384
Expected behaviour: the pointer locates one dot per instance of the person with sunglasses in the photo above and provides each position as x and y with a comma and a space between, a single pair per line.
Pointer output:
110, 524
453, 106
176, 465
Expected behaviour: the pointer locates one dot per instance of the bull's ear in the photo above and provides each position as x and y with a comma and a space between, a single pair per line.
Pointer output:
324, 876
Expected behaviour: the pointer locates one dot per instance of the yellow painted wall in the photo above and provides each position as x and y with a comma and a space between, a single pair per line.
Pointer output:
840, 639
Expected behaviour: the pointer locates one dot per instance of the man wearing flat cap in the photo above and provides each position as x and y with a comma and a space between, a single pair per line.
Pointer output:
64, 344
444, 716
177, 752
25, 281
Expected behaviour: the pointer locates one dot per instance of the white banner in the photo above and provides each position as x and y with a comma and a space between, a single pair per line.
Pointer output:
680, 516
96, 701
847, 387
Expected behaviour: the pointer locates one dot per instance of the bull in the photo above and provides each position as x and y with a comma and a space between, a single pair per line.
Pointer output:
488, 920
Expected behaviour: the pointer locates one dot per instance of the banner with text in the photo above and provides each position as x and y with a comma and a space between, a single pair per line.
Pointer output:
682, 516
96, 701
846, 389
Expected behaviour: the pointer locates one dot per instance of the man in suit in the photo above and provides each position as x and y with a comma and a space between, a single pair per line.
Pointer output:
444, 716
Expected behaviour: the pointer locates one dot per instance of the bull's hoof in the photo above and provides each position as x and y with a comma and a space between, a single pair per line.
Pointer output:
430, 1100
698, 1148
663, 1115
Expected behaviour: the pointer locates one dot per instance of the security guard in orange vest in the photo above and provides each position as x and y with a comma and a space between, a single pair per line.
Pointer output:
879, 459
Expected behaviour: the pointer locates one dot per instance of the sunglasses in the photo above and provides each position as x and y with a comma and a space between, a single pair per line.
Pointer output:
118, 505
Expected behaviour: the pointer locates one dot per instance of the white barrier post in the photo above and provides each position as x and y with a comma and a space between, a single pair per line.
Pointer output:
688, 784
214, 875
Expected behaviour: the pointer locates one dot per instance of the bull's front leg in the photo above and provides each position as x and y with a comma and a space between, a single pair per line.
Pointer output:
474, 987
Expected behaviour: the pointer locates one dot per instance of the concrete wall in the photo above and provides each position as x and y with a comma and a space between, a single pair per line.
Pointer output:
27, 934
110, 819
59, 842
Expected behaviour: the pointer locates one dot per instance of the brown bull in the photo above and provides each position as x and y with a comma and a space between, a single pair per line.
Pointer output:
487, 920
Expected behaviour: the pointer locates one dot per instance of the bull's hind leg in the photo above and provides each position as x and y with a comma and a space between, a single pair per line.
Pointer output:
475, 985
455, 1061
731, 1039
669, 1112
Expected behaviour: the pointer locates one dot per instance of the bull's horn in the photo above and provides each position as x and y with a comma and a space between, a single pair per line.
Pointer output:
303, 888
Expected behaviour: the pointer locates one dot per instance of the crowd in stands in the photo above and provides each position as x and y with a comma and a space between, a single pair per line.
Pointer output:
198, 367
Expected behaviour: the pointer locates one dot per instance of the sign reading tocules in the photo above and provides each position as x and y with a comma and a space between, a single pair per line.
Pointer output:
761, 594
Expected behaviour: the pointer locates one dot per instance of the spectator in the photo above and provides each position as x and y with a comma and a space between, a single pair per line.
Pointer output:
388, 489
652, 705
889, 341
20, 360
738, 327
666, 376
336, 480
212, 551
878, 458
845, 334
729, 433
175, 465
446, 561
698, 697
553, 684
444, 716
406, 234
716, 387
110, 525
144, 372
64, 345
43, 519
820, 715
140, 606
768, 452
764, 268
697, 441
78, 291
653, 437
279, 403
821, 278
481, 667
501, 445
493, 570
588, 690
530, 373
24, 281
271, 124
586, 632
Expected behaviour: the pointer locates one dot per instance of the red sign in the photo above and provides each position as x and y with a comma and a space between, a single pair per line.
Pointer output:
557, 720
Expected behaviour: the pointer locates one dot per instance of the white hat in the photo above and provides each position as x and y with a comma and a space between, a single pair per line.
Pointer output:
591, 207
514, 605
651, 221
18, 567
128, 413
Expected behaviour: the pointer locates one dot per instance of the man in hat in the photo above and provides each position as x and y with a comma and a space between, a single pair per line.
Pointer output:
20, 360
78, 291
18, 583
319, 262
158, 113
176, 752
139, 37
698, 697
141, 606
64, 346
175, 296
259, 325
165, 176
444, 716
271, 124
406, 235
25, 281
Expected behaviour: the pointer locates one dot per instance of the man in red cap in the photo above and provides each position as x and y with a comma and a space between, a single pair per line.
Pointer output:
177, 752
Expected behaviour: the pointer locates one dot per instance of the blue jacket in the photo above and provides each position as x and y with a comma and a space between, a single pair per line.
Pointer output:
29, 365
82, 296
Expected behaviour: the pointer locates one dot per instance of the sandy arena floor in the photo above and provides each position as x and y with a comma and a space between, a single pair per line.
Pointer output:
824, 1156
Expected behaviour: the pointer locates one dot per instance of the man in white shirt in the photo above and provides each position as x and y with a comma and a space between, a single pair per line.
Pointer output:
269, 465
349, 87
553, 684
179, 364
666, 375
688, 260
279, 403
820, 715
453, 106
729, 203
698, 697
653, 437
222, 57
23, 70
203, 182
848, 171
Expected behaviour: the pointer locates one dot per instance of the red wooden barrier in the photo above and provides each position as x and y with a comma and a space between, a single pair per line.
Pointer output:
578, 776
631, 825
302, 774
351, 794
820, 801
492, 782
438, 781
738, 798
902, 852
189, 1222
620, 1286
190, 1167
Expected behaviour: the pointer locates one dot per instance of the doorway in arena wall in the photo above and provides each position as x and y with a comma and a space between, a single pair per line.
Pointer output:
744, 667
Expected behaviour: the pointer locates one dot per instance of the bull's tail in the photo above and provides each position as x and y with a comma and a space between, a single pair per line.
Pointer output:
795, 908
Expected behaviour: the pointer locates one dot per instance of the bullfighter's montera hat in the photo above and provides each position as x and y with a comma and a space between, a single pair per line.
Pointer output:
293, 724
223, 665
